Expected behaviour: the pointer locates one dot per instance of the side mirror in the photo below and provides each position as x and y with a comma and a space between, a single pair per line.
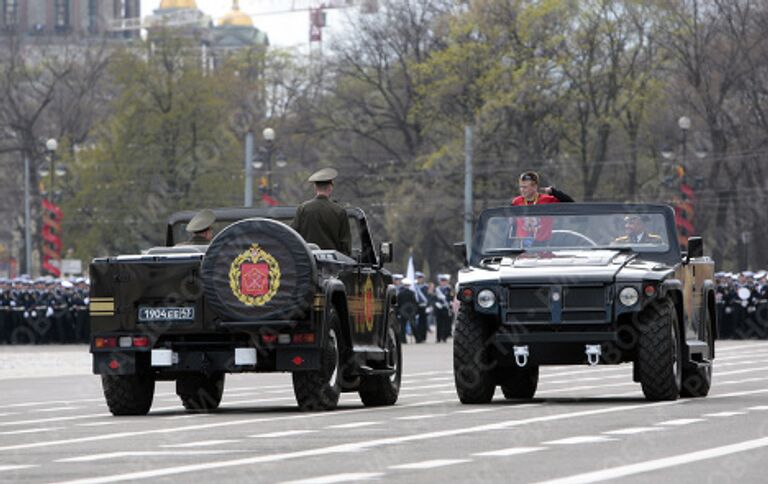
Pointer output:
386, 252
460, 249
695, 247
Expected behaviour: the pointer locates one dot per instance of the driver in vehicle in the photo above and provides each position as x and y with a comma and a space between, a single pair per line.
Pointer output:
200, 228
637, 232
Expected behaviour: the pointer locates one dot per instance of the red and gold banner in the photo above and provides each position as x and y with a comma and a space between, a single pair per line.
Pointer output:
52, 217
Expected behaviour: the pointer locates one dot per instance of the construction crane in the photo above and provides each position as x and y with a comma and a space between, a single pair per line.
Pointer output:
317, 11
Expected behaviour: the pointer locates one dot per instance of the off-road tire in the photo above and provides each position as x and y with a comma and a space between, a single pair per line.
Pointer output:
320, 389
128, 394
660, 352
200, 393
472, 365
381, 390
519, 383
697, 380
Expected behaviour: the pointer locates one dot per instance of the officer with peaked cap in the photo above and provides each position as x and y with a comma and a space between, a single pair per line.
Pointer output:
200, 228
322, 221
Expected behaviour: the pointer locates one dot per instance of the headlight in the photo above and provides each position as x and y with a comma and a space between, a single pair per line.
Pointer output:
629, 296
486, 299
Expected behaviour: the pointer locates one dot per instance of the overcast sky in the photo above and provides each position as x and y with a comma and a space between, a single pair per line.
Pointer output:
284, 30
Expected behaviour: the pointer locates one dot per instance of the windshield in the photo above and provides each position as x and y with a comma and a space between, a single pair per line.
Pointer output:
639, 232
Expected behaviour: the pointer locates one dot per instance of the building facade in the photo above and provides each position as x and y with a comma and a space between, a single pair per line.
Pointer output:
80, 18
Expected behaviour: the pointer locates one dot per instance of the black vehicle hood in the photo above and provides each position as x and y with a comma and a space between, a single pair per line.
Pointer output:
570, 266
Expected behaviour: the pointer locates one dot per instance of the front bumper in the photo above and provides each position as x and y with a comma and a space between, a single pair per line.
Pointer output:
560, 348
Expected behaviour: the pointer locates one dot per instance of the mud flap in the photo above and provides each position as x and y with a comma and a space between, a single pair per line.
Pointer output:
114, 363
298, 359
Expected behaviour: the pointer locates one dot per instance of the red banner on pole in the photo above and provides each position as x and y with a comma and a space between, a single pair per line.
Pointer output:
52, 217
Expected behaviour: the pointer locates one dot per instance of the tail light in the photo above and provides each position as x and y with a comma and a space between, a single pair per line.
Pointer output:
110, 342
121, 341
269, 339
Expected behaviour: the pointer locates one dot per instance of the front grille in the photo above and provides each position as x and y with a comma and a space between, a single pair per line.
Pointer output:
575, 304
583, 297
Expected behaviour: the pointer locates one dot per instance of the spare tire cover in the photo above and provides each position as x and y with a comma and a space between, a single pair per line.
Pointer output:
258, 269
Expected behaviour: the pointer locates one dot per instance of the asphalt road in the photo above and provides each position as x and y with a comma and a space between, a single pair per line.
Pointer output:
586, 425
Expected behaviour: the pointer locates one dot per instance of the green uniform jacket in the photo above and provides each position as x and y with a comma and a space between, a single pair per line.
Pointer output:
323, 222
195, 240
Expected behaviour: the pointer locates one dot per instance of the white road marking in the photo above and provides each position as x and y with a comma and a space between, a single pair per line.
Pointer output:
759, 408
633, 430
582, 439
421, 417
144, 453
724, 414
31, 431
118, 435
664, 463
479, 410
55, 409
509, 452
349, 477
6, 414
202, 443
353, 425
285, 433
259, 400
51, 402
740, 382
681, 421
358, 446
99, 424
16, 468
54, 419
431, 464
185, 416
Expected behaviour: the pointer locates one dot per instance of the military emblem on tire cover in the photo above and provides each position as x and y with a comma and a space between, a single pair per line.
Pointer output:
254, 276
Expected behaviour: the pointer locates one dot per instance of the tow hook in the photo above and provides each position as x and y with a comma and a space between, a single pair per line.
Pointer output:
521, 355
593, 354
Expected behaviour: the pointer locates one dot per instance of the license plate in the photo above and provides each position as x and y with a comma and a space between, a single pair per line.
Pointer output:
154, 314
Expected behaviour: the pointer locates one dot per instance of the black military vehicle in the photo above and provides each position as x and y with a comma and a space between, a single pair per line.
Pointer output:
566, 284
257, 299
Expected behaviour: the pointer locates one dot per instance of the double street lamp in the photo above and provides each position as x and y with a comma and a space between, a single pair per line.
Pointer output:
266, 153
264, 159
683, 184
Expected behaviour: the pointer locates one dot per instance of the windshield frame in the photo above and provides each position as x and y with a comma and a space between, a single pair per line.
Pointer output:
671, 256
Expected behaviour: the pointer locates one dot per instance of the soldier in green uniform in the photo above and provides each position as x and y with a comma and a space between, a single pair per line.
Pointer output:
322, 221
636, 232
200, 228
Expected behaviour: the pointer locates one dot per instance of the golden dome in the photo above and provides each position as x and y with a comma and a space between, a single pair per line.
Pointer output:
236, 18
178, 4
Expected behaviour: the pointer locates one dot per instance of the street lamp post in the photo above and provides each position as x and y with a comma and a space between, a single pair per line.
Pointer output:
27, 224
269, 137
52, 145
684, 185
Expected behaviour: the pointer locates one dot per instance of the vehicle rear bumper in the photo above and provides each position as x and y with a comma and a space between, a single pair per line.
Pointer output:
169, 363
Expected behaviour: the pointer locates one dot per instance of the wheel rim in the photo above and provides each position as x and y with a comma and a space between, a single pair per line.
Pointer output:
675, 355
392, 347
334, 344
